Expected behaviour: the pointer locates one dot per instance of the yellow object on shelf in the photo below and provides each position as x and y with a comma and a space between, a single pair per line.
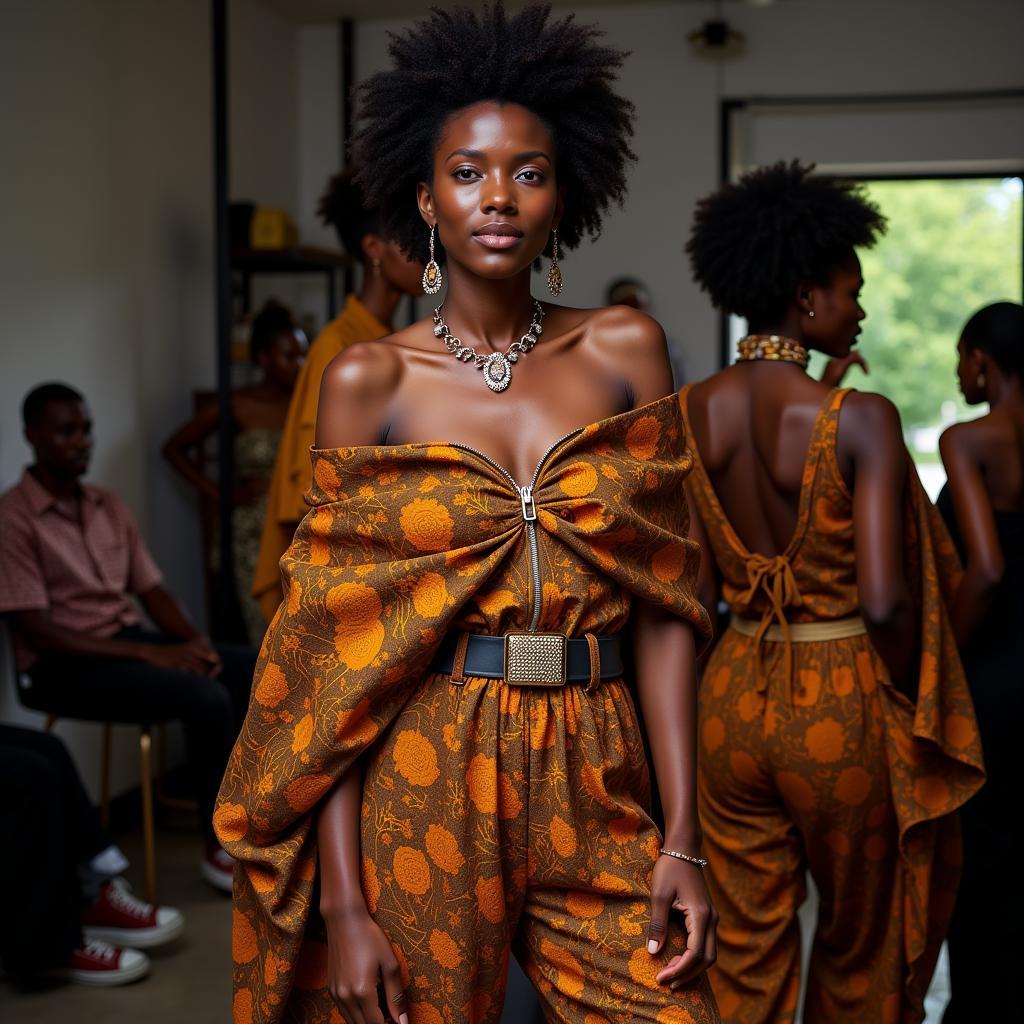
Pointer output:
271, 229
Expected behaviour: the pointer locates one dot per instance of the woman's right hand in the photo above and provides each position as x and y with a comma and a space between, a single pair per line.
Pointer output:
360, 960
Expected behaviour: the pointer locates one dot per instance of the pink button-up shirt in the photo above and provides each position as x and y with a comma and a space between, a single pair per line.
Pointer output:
80, 569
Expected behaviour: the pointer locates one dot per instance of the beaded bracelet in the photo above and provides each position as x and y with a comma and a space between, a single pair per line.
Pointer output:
699, 861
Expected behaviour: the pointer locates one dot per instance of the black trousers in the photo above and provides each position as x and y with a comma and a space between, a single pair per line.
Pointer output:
49, 827
112, 690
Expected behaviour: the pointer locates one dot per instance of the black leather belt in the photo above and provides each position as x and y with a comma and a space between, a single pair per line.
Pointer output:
530, 659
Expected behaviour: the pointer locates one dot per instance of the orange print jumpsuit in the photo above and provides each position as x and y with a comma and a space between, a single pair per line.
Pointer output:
812, 761
494, 817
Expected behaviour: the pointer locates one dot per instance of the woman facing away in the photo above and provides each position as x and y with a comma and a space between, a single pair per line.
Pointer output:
983, 505
442, 760
837, 735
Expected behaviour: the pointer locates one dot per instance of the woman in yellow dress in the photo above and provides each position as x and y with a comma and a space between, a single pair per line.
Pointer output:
387, 275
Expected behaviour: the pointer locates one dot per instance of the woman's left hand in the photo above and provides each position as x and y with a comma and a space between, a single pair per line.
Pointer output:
678, 885
837, 368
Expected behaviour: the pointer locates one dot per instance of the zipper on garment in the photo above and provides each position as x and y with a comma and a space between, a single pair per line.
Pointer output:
529, 510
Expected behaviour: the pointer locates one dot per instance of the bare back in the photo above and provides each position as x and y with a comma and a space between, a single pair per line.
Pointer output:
753, 424
996, 443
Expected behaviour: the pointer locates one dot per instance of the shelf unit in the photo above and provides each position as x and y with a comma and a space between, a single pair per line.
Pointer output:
299, 259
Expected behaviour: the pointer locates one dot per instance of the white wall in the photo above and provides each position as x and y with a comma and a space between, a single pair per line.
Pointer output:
106, 267
794, 48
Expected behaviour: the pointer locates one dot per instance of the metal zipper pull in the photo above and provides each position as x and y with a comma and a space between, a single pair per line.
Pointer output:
529, 508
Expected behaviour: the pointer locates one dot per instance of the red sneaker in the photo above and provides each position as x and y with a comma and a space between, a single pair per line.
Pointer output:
218, 868
122, 919
99, 963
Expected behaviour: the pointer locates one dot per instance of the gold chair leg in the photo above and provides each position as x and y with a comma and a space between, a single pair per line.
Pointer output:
175, 802
148, 836
108, 731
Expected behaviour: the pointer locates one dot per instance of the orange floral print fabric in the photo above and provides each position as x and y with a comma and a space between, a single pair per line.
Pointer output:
826, 767
489, 812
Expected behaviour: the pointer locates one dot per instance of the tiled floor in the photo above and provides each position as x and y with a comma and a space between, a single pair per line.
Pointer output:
190, 980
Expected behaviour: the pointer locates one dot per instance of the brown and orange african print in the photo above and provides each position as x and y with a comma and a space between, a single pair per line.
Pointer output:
492, 816
815, 762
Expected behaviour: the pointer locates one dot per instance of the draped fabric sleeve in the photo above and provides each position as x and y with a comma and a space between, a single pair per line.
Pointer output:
935, 755
372, 581
616, 499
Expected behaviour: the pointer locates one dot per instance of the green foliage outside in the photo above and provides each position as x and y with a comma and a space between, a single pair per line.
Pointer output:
952, 247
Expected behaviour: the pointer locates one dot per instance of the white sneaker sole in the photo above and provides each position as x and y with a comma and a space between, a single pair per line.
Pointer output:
108, 979
222, 880
138, 938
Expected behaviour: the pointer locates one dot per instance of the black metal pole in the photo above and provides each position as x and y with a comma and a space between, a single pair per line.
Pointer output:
346, 46
225, 461
726, 108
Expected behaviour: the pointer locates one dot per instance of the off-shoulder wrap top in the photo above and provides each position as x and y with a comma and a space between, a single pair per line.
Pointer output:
401, 545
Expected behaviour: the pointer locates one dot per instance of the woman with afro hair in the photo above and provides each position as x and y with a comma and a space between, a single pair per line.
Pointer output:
837, 734
442, 761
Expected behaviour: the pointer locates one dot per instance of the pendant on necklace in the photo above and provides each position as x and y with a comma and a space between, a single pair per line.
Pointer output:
497, 371
497, 366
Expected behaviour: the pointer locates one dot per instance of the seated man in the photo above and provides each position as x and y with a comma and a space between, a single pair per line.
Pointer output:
71, 559
68, 909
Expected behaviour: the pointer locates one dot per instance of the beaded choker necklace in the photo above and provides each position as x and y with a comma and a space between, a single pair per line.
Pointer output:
771, 346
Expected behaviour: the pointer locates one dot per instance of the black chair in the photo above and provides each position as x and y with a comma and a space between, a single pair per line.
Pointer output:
23, 684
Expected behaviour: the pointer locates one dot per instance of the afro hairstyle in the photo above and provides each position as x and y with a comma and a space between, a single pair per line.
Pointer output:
753, 241
456, 57
343, 207
998, 331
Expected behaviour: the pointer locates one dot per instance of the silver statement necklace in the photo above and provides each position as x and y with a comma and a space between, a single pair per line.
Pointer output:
497, 366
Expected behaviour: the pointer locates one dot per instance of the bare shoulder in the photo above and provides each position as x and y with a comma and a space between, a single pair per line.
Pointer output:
355, 390
871, 414
363, 368
626, 329
632, 346
870, 430
970, 438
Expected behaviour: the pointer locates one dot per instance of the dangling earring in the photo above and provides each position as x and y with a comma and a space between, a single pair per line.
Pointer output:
376, 267
432, 277
554, 274
981, 381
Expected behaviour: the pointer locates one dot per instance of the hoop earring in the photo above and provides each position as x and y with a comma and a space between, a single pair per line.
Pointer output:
432, 277
554, 274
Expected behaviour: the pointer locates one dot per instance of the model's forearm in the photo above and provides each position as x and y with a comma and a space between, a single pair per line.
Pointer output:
341, 890
894, 635
667, 686
46, 637
191, 472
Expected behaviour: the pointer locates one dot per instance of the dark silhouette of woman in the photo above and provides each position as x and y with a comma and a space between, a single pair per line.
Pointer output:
983, 505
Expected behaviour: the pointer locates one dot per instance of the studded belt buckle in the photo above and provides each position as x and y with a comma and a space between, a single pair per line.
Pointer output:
535, 659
